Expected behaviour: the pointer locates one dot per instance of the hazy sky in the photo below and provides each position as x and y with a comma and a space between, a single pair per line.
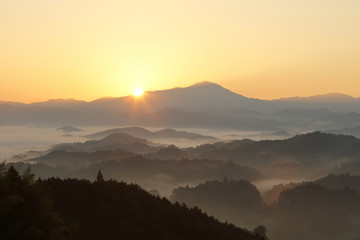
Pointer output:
259, 48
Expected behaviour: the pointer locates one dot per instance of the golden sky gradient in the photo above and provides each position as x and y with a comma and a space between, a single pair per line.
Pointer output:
259, 48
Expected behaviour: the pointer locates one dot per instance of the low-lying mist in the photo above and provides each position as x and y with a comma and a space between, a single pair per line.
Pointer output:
299, 211
15, 140
20, 139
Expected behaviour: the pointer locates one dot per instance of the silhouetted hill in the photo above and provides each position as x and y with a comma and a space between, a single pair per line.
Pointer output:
162, 175
167, 153
305, 211
272, 196
341, 181
69, 129
112, 142
26, 212
133, 131
308, 155
314, 212
228, 200
355, 131
102, 210
114, 146
144, 133
302, 154
61, 157
332, 181
112, 210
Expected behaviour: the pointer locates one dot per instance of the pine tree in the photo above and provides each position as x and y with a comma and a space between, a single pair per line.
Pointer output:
99, 177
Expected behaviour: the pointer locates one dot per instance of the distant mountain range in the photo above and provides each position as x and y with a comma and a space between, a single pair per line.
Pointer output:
124, 157
303, 211
111, 142
146, 134
203, 105
355, 131
307, 155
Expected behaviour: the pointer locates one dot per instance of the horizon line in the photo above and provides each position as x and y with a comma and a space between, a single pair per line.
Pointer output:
197, 84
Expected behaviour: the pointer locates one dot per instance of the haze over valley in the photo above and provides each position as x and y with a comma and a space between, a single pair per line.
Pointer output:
188, 138
173, 120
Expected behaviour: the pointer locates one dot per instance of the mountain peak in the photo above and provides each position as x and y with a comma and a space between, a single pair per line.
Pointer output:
205, 83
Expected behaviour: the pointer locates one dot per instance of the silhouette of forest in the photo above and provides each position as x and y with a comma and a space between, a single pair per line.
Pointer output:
302, 156
303, 211
75, 208
104, 209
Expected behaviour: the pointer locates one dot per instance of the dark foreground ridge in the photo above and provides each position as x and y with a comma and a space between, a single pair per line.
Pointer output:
80, 209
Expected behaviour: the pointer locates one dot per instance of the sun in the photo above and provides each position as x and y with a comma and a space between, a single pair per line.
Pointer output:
138, 92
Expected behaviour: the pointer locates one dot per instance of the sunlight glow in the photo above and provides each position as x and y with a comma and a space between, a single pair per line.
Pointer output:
138, 92
247, 47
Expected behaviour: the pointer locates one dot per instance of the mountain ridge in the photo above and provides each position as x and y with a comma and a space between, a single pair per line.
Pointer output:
147, 134
334, 95
203, 105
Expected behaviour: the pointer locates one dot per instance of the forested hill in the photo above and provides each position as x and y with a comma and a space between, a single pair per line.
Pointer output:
80, 209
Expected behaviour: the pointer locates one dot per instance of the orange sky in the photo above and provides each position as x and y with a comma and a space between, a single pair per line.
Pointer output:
90, 49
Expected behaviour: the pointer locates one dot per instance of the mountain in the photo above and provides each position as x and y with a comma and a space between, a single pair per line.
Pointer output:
355, 131
341, 181
303, 211
310, 155
317, 212
4, 103
223, 199
271, 197
124, 157
331, 181
200, 95
332, 101
128, 212
83, 210
203, 105
302, 155
146, 134
112, 142
170, 152
69, 129
329, 97
60, 103
163, 175
61, 157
